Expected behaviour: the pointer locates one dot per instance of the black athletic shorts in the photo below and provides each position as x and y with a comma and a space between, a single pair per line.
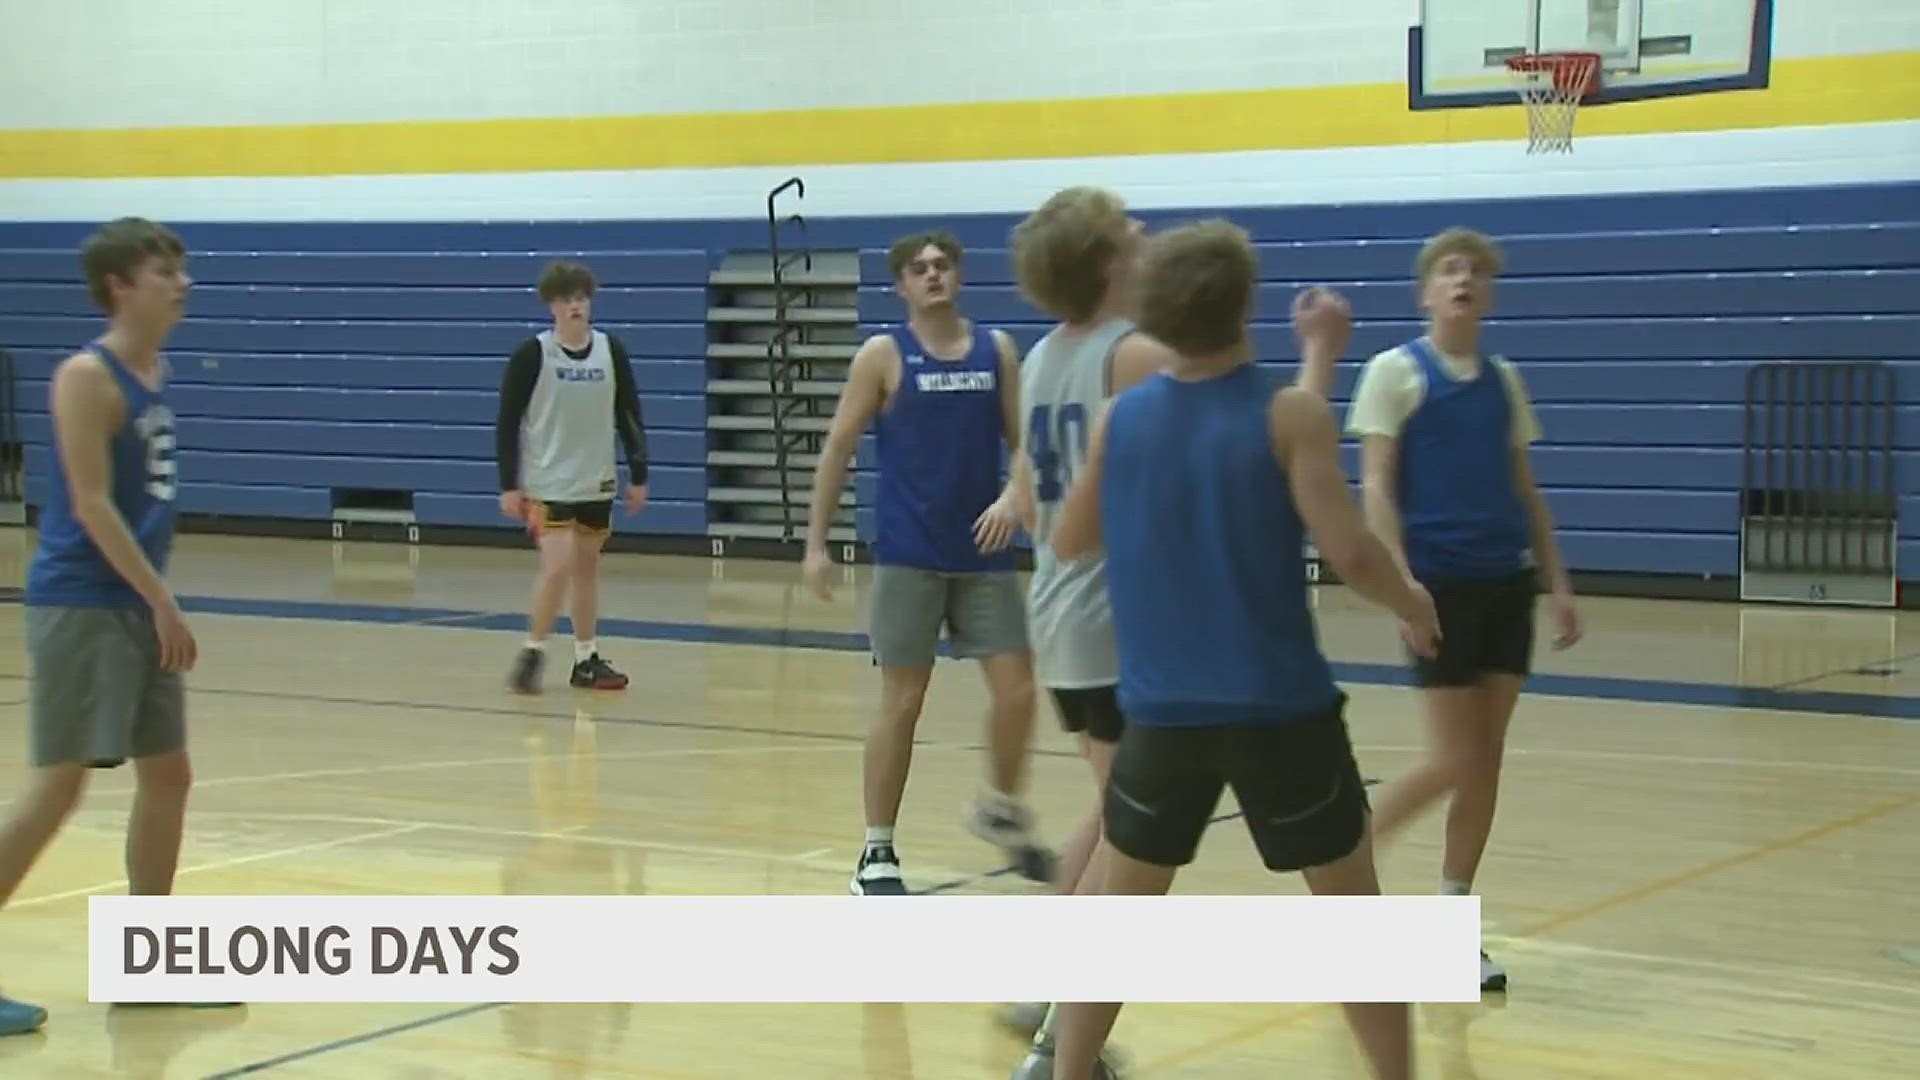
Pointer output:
1297, 783
1092, 709
590, 517
1486, 628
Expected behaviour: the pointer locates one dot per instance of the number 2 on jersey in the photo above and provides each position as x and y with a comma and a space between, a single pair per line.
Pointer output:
1057, 446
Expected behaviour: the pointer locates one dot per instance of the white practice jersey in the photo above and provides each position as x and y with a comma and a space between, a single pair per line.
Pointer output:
568, 438
1064, 386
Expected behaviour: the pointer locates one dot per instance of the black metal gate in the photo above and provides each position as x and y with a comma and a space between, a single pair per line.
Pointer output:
13, 465
1819, 513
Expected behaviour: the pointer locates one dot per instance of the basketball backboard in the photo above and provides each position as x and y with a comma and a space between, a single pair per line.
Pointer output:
1649, 48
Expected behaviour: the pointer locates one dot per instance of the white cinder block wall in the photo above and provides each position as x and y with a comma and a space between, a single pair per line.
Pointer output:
307, 61
132, 63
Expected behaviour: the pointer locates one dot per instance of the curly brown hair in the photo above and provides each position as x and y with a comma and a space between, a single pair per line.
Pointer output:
1197, 287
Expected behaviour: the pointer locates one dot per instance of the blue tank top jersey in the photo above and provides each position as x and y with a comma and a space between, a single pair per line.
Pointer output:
940, 443
1205, 569
68, 569
1459, 511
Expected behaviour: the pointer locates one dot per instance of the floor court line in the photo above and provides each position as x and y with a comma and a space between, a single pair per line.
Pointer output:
1752, 972
1579, 686
1707, 869
398, 826
371, 1036
355, 1040
572, 833
1624, 756
963, 881
1688, 760
224, 864
264, 778
452, 620
1293, 1016
363, 1038
248, 779
526, 713
1571, 686
956, 882
1634, 895
529, 713
1891, 662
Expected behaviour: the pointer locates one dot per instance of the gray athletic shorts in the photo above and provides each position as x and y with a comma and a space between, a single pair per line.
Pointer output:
98, 696
984, 614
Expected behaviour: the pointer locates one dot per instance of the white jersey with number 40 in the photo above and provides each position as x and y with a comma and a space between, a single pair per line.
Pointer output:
1064, 385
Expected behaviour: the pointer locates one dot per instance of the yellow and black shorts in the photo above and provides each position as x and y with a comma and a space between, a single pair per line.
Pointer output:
592, 518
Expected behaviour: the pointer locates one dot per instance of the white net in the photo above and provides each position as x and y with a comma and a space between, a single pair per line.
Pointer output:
1552, 86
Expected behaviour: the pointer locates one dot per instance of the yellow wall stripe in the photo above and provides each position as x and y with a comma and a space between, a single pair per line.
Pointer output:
1805, 91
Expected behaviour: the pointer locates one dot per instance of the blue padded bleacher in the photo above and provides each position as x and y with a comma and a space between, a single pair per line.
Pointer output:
366, 355
1634, 344
298, 373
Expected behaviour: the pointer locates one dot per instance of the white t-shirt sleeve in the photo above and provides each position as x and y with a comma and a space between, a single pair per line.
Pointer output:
1388, 392
1526, 423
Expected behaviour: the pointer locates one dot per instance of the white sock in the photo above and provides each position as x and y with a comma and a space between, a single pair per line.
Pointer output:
879, 836
537, 645
1044, 1034
584, 650
1456, 888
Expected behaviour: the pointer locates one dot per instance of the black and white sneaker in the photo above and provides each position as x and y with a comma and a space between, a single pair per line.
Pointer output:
1009, 827
593, 673
878, 873
1023, 1018
1038, 1064
524, 678
1493, 977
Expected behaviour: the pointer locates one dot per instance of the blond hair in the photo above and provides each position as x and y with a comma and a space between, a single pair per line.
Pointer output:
1477, 246
1197, 287
1063, 250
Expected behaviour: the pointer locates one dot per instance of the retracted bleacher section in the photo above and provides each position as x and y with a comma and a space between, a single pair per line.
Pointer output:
319, 359
1634, 335
305, 378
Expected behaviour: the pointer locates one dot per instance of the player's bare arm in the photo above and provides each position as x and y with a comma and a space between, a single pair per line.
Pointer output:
1020, 487
1308, 447
1379, 410
1324, 324
87, 409
870, 379
1077, 532
994, 529
1379, 494
1546, 553
1009, 386
1540, 527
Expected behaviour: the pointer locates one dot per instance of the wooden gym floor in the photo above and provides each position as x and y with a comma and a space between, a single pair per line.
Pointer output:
1704, 864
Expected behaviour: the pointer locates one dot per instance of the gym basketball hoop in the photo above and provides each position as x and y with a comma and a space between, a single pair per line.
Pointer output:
1552, 86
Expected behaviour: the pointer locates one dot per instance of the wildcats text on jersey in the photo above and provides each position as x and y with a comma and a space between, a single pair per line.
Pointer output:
936, 382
